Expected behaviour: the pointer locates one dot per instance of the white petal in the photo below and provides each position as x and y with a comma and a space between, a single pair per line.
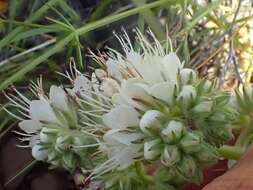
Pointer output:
58, 98
44, 137
109, 87
121, 98
81, 85
100, 74
41, 111
39, 154
121, 117
163, 91
113, 69
172, 65
185, 75
114, 137
136, 89
186, 93
150, 120
30, 126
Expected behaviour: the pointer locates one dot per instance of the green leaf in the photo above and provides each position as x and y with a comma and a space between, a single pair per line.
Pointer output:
200, 14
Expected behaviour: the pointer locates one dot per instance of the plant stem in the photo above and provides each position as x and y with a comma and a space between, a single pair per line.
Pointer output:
142, 174
231, 152
28, 166
36, 16
119, 16
152, 21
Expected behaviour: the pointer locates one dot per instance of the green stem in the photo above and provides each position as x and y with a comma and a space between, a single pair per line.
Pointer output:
142, 174
119, 16
152, 21
231, 152
27, 167
243, 139
36, 16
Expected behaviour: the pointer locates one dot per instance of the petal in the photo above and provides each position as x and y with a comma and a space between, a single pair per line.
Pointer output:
136, 89
41, 111
114, 137
30, 126
121, 98
81, 85
121, 117
58, 98
171, 65
39, 154
109, 87
113, 69
163, 91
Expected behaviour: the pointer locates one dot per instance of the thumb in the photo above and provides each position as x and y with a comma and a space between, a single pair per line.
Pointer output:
238, 177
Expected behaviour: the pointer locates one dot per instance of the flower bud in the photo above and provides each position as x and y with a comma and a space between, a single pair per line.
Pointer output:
207, 155
187, 167
150, 151
61, 143
38, 153
207, 86
69, 160
191, 142
173, 131
170, 155
150, 120
187, 93
205, 106
47, 134
100, 74
188, 76
109, 87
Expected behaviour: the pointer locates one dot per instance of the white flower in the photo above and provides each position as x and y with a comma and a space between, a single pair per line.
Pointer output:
164, 91
82, 85
151, 120
30, 126
151, 153
187, 74
173, 131
41, 110
39, 154
58, 98
205, 106
187, 93
109, 87
121, 117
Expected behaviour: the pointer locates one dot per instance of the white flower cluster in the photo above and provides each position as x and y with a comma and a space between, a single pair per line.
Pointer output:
141, 107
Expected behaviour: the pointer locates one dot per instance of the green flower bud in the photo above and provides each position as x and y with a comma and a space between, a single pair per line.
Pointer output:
39, 153
47, 135
170, 155
191, 142
62, 143
187, 94
207, 86
69, 160
173, 132
205, 106
188, 76
150, 120
150, 151
187, 167
207, 155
